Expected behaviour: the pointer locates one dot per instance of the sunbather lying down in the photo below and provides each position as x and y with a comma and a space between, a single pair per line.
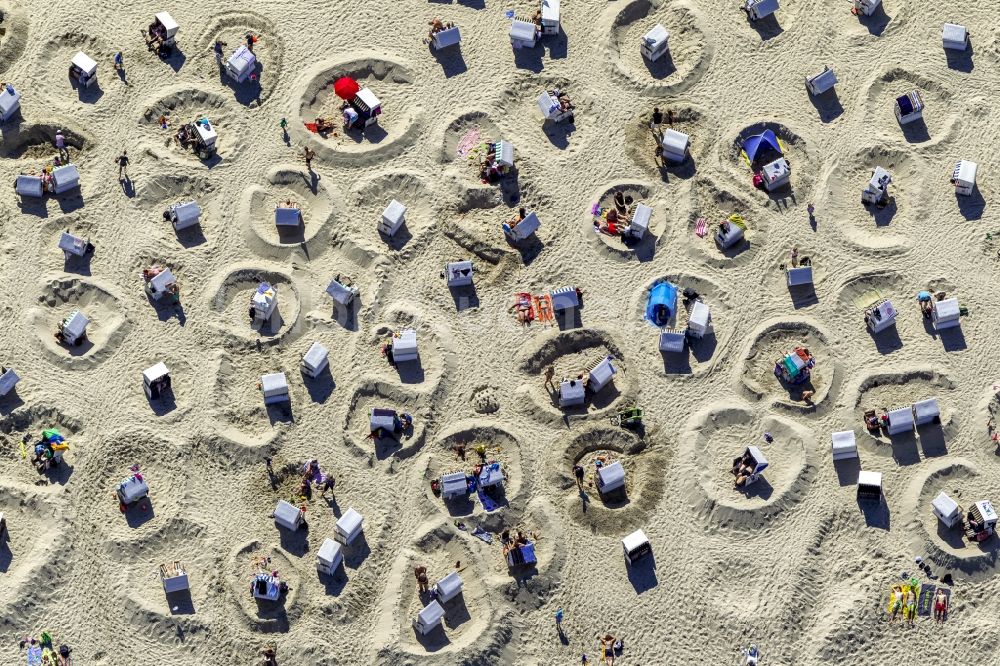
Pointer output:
289, 204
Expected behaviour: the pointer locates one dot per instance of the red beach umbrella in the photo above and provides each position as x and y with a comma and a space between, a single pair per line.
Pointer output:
345, 87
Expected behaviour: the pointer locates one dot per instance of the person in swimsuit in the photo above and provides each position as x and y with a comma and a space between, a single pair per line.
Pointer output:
911, 608
896, 603
940, 606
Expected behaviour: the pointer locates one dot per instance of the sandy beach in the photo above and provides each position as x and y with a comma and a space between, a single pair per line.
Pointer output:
794, 563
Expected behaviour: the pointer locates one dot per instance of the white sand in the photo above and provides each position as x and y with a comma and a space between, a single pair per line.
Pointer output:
791, 565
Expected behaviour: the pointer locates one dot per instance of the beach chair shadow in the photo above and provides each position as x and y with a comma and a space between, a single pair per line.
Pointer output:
703, 348
88, 95
410, 372
904, 449
877, 22
568, 319
605, 397
465, 298
529, 59
136, 516
295, 542
274, 615
280, 412
163, 405
456, 613
180, 602
247, 92
960, 60
736, 250
916, 132
886, 341
972, 206
662, 68
953, 536
190, 237
767, 28
529, 249
80, 349
33, 207
399, 240
676, 363
510, 187
932, 441
642, 574
291, 235
357, 552
827, 105
803, 295
557, 45
683, 170
347, 316
10, 402
558, 134
333, 585
460, 506
471, 4
6, 557
847, 471
760, 489
876, 513
176, 59
451, 60
320, 388
434, 640
953, 339
70, 203
882, 215
78, 265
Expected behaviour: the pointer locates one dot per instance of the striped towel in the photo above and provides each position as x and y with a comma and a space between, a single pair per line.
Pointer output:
701, 227
468, 141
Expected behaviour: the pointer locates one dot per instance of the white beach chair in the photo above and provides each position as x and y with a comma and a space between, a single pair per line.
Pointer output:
329, 557
26, 185
523, 229
636, 546
676, 146
174, 577
869, 485
454, 485
955, 37
880, 316
349, 527
74, 327
287, 515
550, 17
7, 382
610, 478
392, 218
156, 381
799, 276
132, 489
926, 411
429, 618
817, 84
600, 375
315, 360
448, 587
83, 68
404, 346
72, 246
170, 27
264, 302
447, 37
459, 273
523, 34
287, 216
65, 178
963, 177
571, 392
654, 43
946, 509
844, 445
161, 284
900, 420
866, 7
10, 102
241, 64
776, 174
945, 314
758, 9
909, 107
551, 109
184, 215
730, 236
274, 386
699, 320
877, 189
639, 224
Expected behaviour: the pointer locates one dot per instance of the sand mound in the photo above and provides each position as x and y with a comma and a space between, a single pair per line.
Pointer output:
357, 427
684, 64
288, 184
398, 126
371, 197
261, 614
796, 152
769, 344
938, 121
59, 298
721, 433
231, 302
634, 193
232, 28
640, 142
181, 106
423, 374
715, 204
500, 446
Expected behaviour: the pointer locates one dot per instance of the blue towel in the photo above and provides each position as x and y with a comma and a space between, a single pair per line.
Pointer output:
488, 504
480, 533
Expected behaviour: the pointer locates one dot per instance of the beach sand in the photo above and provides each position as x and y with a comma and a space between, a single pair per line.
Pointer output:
793, 564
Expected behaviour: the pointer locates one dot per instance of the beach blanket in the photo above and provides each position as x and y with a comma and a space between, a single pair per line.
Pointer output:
35, 655
468, 141
312, 127
482, 534
488, 504
543, 309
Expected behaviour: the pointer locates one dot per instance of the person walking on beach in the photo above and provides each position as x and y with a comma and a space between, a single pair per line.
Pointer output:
550, 372
219, 46
308, 153
656, 122
122, 161
559, 619
328, 483
578, 473
61, 146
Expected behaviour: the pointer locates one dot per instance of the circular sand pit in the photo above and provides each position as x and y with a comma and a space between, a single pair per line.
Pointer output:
611, 237
467, 615
950, 547
182, 106
465, 134
795, 152
41, 532
399, 124
699, 355
425, 372
938, 119
771, 345
572, 353
26, 425
263, 614
721, 434
641, 143
35, 143
372, 196
288, 188
889, 228
374, 394
459, 451
887, 390
618, 510
164, 189
60, 299
239, 402
685, 62
269, 50
714, 205
232, 299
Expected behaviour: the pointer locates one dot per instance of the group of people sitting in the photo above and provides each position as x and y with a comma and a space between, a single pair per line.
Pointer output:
324, 126
926, 300
743, 469
156, 36
311, 473
615, 221
565, 104
437, 25
490, 170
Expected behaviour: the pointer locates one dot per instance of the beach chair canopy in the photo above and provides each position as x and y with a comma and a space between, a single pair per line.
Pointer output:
870, 480
699, 317
565, 298
505, 153
316, 358
820, 83
909, 103
884, 310
965, 173
287, 217
449, 586
944, 506
206, 133
169, 24
610, 477
382, 418
265, 586
547, 103
350, 524
655, 38
447, 37
158, 371
762, 8
800, 276
900, 419
329, 556
65, 178
635, 544
550, 12
132, 489
955, 36
10, 101
675, 143
762, 148
522, 31
925, 411
600, 375
72, 244
162, 281
343, 295
75, 325
640, 220
947, 309
369, 100
287, 515
453, 484
405, 343
84, 63
174, 577
7, 381
241, 63
661, 306
844, 445
776, 173
274, 384
986, 511
524, 228
29, 186
571, 392
672, 341
759, 459
459, 273
490, 475
185, 214
429, 618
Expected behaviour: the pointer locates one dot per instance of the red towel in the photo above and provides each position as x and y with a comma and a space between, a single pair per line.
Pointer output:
312, 128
